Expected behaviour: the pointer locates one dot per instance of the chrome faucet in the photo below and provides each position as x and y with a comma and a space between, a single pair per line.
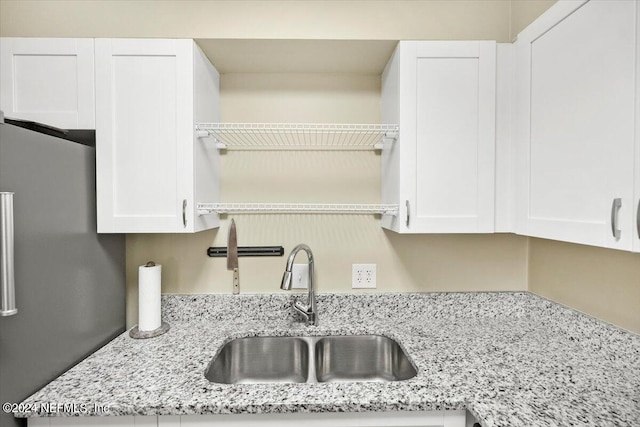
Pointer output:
308, 311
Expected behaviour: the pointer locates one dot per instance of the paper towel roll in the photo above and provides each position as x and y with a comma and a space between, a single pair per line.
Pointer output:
149, 279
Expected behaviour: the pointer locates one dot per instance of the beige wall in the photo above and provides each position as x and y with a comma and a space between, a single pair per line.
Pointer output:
297, 19
602, 282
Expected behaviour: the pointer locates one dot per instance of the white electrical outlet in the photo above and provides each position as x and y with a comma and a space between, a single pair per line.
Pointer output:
300, 279
363, 276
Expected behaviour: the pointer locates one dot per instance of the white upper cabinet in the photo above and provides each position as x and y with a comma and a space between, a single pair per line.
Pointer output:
635, 209
441, 170
48, 80
151, 167
576, 124
636, 217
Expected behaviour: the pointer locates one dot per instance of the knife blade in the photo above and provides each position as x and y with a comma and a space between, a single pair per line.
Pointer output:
232, 256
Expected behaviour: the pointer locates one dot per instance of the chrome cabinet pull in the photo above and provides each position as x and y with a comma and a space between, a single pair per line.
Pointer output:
615, 208
8, 305
406, 203
638, 219
184, 213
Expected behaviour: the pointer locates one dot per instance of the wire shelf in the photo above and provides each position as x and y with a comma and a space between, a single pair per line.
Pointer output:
298, 136
310, 208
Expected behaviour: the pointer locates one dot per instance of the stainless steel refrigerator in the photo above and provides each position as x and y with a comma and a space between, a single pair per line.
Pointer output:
69, 280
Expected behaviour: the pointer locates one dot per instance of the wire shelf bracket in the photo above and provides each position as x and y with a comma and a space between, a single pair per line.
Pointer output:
298, 136
309, 208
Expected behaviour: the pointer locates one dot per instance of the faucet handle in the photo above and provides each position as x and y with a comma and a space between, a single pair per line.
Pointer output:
302, 309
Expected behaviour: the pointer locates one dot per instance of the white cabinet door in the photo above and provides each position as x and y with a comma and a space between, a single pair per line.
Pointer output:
636, 218
48, 80
143, 133
344, 419
148, 158
636, 200
443, 94
576, 118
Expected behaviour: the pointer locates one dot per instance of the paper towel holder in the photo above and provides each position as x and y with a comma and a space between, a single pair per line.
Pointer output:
136, 333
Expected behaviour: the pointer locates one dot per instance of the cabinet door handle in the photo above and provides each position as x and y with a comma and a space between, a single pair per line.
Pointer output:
8, 304
406, 203
184, 213
615, 208
638, 219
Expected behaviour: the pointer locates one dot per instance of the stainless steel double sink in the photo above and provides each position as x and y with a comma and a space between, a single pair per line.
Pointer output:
322, 359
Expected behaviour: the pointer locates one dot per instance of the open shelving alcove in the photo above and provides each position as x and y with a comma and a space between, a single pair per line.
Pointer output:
310, 57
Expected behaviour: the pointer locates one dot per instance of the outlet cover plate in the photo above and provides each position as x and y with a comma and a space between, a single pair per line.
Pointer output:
300, 279
363, 276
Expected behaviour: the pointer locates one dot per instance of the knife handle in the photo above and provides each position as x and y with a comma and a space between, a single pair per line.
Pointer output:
236, 281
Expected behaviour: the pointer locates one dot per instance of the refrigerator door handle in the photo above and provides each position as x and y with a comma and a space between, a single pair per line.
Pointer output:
8, 304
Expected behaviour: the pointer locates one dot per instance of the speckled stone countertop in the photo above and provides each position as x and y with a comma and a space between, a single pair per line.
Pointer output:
512, 359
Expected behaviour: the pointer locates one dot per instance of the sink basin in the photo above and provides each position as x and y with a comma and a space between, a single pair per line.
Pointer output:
254, 360
361, 358
261, 360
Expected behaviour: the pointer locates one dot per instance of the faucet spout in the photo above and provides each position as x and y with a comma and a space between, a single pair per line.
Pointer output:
308, 310
286, 281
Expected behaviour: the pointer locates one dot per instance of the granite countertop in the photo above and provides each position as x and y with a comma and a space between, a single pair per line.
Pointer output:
512, 359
